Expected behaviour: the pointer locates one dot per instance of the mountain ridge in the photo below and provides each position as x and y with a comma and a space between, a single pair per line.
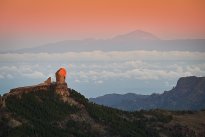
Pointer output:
46, 112
138, 35
189, 94
134, 40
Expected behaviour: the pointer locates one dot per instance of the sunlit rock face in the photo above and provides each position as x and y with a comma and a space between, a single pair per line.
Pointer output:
61, 89
48, 81
60, 86
61, 75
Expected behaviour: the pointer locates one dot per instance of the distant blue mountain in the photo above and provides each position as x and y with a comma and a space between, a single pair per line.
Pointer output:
136, 40
189, 94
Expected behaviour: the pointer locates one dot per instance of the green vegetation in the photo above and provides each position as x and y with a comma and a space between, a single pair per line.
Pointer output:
119, 122
78, 97
41, 111
80, 129
43, 114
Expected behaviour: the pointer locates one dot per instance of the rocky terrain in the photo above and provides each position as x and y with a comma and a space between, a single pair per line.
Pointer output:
189, 94
51, 109
46, 113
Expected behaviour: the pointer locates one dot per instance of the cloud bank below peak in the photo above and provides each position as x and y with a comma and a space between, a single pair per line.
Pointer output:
101, 72
104, 56
99, 65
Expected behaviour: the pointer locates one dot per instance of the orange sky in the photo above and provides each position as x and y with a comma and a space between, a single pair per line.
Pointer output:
102, 18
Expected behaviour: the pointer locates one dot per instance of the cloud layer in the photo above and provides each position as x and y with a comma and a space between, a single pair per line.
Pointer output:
99, 65
98, 69
103, 56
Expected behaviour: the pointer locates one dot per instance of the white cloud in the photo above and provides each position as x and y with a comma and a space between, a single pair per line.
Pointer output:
99, 82
98, 66
35, 75
104, 56
1, 77
143, 74
77, 81
86, 72
29, 71
141, 71
9, 76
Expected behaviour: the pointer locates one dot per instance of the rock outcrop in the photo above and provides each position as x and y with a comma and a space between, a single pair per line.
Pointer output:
189, 94
48, 81
1, 101
60, 86
61, 75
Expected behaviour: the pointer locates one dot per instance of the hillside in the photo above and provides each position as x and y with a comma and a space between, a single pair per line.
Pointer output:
189, 94
45, 113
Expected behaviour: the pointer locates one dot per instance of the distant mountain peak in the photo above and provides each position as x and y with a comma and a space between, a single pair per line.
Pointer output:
190, 83
137, 35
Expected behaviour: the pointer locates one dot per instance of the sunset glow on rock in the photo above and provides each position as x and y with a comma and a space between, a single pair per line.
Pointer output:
61, 75
62, 72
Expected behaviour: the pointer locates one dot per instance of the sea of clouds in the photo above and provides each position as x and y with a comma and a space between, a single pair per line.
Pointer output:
96, 73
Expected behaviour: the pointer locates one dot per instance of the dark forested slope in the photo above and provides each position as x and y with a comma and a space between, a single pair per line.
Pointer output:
47, 114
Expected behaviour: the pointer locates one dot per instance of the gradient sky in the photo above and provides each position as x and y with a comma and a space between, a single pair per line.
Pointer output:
29, 23
102, 18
